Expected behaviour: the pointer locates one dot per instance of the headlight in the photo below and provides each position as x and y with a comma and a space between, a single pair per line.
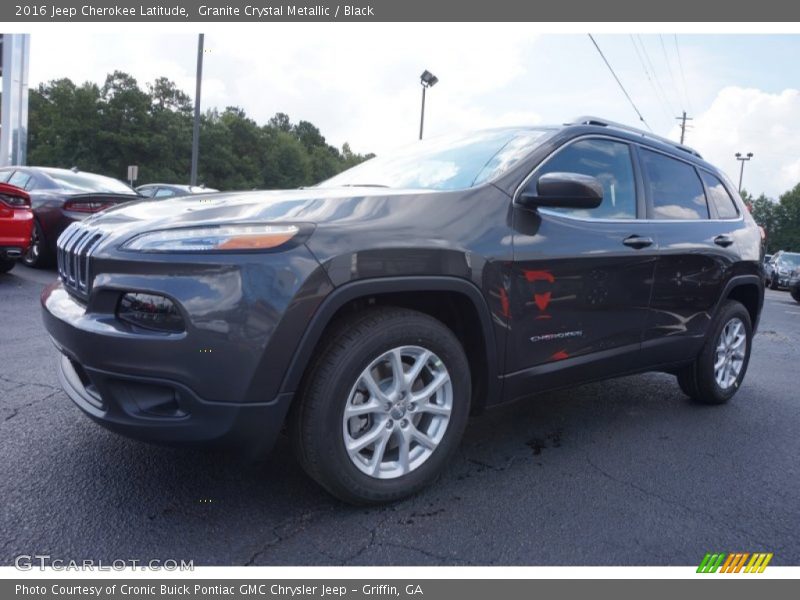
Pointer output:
223, 237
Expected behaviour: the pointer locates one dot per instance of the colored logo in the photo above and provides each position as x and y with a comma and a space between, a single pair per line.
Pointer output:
735, 562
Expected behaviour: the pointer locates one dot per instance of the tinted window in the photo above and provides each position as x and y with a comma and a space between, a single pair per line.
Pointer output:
610, 162
19, 179
4, 175
147, 192
719, 196
675, 188
445, 163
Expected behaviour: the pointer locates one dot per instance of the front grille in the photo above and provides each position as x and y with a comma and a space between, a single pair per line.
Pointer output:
75, 247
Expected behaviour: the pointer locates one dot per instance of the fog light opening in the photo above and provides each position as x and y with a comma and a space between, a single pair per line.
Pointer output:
150, 311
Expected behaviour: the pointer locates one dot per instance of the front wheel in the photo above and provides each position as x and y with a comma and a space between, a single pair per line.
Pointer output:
383, 407
795, 291
773, 284
716, 374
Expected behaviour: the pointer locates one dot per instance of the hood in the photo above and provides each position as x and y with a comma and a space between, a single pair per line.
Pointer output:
311, 205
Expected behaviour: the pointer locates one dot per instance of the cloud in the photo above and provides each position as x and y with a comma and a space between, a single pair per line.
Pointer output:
751, 120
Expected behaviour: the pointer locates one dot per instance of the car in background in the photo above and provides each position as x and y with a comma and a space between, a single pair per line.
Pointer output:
781, 267
161, 191
60, 197
794, 285
16, 223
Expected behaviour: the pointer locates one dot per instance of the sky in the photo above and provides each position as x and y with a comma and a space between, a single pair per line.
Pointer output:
360, 84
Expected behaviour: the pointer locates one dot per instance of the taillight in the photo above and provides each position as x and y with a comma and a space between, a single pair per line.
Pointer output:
86, 207
15, 201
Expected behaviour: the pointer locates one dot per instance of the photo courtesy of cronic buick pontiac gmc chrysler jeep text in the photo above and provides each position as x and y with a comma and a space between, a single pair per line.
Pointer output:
371, 314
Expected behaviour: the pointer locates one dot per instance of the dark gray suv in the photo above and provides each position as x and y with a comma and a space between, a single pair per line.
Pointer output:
370, 315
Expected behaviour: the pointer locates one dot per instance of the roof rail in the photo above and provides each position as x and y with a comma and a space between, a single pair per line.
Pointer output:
589, 120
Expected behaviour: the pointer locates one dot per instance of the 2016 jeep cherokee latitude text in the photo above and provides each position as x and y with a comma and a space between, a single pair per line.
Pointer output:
371, 314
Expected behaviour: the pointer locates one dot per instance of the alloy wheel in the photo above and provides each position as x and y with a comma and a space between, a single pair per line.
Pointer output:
397, 412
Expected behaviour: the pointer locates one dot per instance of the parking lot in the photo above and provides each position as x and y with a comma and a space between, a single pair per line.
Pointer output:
626, 472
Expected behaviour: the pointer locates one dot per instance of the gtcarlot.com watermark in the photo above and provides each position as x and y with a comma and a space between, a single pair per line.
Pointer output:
29, 562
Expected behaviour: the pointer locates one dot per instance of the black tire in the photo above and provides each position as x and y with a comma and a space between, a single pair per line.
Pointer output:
37, 255
795, 292
698, 380
773, 284
317, 421
6, 264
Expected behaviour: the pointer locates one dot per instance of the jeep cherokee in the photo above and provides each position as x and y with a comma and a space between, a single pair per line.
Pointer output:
371, 314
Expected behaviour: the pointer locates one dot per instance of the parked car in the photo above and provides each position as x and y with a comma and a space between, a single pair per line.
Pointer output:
16, 223
373, 313
60, 197
160, 191
781, 267
794, 284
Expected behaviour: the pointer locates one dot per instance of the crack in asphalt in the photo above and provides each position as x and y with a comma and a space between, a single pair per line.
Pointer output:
303, 518
16, 409
22, 383
688, 509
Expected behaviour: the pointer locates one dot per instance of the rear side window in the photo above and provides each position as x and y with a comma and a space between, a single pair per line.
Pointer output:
610, 162
675, 188
4, 175
719, 197
164, 193
19, 179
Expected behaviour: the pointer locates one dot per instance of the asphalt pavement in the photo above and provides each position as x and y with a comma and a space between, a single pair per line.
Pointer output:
624, 472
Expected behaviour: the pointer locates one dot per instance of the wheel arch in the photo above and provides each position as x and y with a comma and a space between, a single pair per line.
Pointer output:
749, 291
450, 299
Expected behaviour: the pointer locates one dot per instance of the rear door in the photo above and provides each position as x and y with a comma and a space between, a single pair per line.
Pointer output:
697, 224
581, 280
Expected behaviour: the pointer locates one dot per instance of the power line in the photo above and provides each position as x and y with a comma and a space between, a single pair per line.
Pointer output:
655, 74
622, 87
669, 69
683, 75
658, 96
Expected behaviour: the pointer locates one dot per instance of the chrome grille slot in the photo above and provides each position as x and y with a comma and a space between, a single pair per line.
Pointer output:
75, 246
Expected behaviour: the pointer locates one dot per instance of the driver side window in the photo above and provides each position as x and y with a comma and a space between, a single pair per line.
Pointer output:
608, 161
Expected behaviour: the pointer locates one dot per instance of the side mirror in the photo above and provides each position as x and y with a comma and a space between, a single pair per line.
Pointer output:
564, 190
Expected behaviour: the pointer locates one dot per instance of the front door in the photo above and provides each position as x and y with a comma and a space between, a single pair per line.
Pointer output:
580, 283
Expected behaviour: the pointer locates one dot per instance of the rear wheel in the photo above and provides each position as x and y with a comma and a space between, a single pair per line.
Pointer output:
384, 406
716, 374
6, 264
37, 255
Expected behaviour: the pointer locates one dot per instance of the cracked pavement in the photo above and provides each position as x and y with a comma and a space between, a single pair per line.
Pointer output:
625, 472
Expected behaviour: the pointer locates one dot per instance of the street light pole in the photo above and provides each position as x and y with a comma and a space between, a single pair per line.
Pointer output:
427, 79
196, 128
742, 159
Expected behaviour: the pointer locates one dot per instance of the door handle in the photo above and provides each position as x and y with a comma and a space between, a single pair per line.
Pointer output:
638, 242
723, 240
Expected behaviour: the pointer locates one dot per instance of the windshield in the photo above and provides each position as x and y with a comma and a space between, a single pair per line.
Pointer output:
445, 163
790, 259
87, 182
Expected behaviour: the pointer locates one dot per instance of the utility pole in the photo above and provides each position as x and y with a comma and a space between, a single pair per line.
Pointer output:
742, 159
196, 129
683, 120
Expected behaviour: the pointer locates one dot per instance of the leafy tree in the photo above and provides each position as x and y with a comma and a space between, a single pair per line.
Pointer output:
105, 128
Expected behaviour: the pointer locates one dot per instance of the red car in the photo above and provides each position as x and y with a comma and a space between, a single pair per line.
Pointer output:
16, 224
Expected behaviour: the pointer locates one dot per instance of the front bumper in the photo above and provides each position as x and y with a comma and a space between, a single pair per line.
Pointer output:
166, 412
215, 382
